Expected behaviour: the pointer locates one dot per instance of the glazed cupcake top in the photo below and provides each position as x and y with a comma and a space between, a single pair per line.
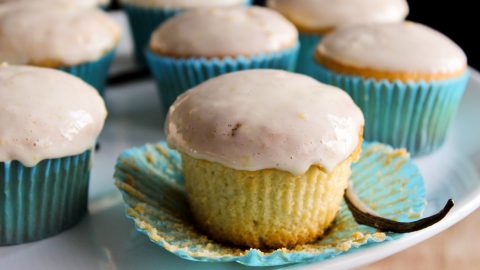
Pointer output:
222, 32
320, 16
265, 119
85, 3
46, 114
396, 51
184, 3
54, 35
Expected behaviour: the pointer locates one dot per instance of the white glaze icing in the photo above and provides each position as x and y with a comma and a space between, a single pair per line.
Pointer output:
327, 14
185, 3
35, 33
397, 47
264, 119
220, 32
46, 114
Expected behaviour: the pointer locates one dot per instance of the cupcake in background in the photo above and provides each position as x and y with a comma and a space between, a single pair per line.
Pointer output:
198, 45
49, 124
83, 3
146, 15
315, 18
266, 155
79, 40
407, 78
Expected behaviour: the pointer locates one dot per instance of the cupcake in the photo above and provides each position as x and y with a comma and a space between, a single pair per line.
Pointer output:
85, 3
198, 45
315, 18
146, 15
407, 78
49, 122
78, 40
266, 155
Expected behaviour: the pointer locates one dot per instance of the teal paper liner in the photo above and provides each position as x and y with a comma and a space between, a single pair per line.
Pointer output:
306, 58
143, 22
151, 181
94, 73
174, 76
44, 200
413, 115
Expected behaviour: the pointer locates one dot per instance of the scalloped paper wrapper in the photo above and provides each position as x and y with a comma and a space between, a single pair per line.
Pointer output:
44, 200
94, 73
143, 21
412, 115
174, 76
306, 58
150, 179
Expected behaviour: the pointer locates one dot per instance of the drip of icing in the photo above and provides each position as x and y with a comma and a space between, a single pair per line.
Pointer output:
265, 119
224, 32
396, 47
46, 114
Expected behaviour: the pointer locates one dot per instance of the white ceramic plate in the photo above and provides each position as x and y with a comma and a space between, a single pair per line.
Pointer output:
106, 239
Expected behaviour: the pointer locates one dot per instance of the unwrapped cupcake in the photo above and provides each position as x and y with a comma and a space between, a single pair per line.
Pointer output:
315, 18
266, 155
49, 124
198, 45
79, 40
407, 78
146, 15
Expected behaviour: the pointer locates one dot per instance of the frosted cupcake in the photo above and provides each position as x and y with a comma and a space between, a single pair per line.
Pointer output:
146, 15
49, 123
84, 3
78, 40
198, 45
315, 18
407, 78
266, 155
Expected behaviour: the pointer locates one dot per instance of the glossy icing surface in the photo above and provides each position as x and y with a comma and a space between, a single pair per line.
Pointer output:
323, 15
395, 47
265, 119
54, 35
220, 32
46, 114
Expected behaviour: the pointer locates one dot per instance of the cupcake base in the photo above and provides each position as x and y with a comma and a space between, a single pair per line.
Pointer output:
266, 208
412, 115
174, 76
44, 200
306, 61
94, 73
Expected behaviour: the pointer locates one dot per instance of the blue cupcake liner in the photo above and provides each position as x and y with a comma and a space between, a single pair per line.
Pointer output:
44, 200
306, 58
413, 115
94, 73
144, 21
174, 76
151, 181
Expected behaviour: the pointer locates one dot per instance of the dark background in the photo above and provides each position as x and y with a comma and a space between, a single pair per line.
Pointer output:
458, 19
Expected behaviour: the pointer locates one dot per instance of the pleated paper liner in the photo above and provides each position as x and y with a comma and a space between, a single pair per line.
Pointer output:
44, 200
306, 58
174, 76
95, 72
151, 181
412, 115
